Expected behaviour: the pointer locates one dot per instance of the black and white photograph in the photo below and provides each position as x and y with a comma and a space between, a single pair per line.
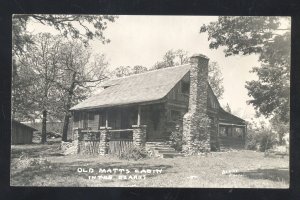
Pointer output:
150, 101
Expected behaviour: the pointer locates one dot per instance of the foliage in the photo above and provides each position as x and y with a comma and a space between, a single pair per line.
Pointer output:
172, 58
267, 37
83, 27
215, 79
180, 57
134, 153
259, 137
78, 75
227, 108
280, 128
121, 71
38, 59
53, 75
127, 71
176, 138
139, 69
41, 62
24, 161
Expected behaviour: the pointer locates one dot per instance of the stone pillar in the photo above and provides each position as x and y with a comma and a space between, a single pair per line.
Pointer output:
72, 147
139, 135
196, 135
76, 138
103, 144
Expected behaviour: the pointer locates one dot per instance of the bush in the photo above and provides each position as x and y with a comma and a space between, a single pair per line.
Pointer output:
134, 153
261, 140
176, 138
24, 161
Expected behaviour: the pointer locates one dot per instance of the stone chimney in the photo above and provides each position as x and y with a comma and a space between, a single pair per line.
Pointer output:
196, 133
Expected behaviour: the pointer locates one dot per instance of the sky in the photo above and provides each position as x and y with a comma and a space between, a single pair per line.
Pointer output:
143, 40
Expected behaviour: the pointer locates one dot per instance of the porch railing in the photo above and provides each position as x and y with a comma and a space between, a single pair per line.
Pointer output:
119, 140
89, 141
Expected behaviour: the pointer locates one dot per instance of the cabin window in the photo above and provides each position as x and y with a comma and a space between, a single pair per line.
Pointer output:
175, 115
185, 87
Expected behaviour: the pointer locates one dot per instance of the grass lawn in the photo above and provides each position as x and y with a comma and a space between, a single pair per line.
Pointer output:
236, 169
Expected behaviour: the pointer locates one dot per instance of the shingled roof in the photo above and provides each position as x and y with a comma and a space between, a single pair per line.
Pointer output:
146, 87
229, 118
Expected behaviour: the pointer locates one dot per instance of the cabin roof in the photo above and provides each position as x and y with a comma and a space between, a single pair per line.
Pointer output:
139, 88
23, 125
229, 118
150, 86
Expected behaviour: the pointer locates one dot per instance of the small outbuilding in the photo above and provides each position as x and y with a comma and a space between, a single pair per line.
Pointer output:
21, 133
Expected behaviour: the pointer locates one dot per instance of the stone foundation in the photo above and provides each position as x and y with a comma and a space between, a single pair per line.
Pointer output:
139, 135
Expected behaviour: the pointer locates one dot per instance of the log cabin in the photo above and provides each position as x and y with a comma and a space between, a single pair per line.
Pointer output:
148, 107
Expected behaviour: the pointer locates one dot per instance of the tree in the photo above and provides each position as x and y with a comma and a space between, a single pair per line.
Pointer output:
180, 57
83, 27
23, 105
62, 75
138, 69
27, 98
41, 60
172, 58
126, 71
267, 37
121, 71
215, 79
227, 108
280, 127
78, 74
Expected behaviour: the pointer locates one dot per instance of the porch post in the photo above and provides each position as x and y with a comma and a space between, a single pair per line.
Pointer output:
106, 118
139, 131
139, 116
103, 144
139, 135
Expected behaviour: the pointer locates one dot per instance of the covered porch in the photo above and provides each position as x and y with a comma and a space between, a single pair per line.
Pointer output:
232, 131
114, 129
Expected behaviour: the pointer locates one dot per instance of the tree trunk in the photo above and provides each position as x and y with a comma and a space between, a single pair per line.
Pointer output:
44, 129
280, 136
66, 127
67, 109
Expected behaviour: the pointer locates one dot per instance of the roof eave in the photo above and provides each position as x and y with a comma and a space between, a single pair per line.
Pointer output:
161, 100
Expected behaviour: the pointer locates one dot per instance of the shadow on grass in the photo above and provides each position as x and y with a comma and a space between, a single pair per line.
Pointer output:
274, 174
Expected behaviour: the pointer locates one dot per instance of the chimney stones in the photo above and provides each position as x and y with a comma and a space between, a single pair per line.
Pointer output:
196, 133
